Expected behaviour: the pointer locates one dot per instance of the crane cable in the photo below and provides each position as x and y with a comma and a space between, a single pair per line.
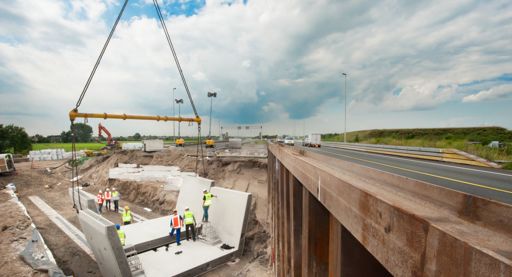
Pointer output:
74, 173
176, 60
74, 162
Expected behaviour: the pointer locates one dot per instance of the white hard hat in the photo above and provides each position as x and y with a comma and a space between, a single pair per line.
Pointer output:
186, 208
205, 190
108, 189
100, 190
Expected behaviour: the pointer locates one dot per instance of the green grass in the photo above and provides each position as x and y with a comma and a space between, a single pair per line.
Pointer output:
67, 146
458, 138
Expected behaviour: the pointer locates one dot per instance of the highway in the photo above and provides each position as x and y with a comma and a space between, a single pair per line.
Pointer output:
488, 183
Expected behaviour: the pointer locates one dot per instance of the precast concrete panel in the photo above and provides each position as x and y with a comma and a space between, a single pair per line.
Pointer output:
191, 195
83, 199
153, 145
228, 214
148, 230
105, 244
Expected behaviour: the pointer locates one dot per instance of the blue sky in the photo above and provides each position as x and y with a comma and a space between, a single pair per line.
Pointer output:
277, 63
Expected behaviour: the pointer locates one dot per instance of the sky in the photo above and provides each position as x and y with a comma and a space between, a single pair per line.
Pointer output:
276, 64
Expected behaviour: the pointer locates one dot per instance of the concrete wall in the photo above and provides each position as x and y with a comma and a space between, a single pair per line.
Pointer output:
227, 214
191, 195
104, 243
87, 200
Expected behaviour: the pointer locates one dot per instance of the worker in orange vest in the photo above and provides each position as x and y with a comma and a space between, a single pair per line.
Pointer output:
108, 197
99, 200
176, 223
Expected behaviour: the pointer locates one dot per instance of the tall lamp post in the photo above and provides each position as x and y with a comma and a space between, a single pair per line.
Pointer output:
173, 115
211, 95
345, 133
179, 102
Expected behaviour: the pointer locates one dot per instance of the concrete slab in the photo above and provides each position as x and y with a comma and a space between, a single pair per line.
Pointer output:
228, 214
148, 230
194, 254
104, 242
69, 229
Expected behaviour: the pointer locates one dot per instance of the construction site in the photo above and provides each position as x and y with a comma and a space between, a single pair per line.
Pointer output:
243, 201
43, 189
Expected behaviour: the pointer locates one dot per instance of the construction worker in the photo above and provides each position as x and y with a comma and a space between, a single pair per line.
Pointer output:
190, 223
108, 197
121, 234
207, 201
127, 215
99, 200
176, 223
115, 198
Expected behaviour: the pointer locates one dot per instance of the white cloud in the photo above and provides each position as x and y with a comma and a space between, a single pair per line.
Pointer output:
268, 59
490, 94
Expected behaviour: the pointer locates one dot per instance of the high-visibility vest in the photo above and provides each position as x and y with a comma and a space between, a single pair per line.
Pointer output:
208, 199
99, 198
122, 236
115, 195
175, 221
127, 216
189, 217
108, 196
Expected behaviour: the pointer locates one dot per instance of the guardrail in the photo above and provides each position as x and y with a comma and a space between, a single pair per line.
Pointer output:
425, 153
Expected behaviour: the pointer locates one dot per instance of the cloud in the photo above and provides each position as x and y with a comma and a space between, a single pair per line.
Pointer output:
490, 94
268, 60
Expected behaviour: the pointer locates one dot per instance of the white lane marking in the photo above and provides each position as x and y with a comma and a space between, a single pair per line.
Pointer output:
413, 160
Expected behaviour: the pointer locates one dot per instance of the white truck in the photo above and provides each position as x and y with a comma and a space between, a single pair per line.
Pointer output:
6, 163
312, 140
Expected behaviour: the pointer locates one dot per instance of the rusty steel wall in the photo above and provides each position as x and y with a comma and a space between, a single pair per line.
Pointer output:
334, 218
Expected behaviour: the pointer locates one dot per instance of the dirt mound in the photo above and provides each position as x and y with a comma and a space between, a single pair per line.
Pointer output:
15, 232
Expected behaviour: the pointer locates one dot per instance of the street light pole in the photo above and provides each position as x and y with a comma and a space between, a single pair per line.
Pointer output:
179, 102
173, 115
345, 132
211, 95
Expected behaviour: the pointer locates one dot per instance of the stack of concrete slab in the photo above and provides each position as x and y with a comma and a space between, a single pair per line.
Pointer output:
132, 146
151, 145
51, 155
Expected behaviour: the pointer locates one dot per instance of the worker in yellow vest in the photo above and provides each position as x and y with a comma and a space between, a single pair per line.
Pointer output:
190, 223
207, 201
127, 215
121, 234
99, 200
176, 223
108, 197
115, 198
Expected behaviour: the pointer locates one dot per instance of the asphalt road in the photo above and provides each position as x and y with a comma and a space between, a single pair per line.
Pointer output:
488, 183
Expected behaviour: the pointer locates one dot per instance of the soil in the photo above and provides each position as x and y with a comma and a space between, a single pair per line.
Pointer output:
34, 179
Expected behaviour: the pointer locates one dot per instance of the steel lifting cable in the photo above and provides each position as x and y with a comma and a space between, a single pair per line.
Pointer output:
74, 165
176, 60
79, 102
164, 27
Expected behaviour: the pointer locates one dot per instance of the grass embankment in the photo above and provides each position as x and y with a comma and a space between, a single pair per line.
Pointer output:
472, 140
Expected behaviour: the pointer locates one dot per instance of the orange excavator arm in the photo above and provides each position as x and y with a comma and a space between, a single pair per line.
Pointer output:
109, 136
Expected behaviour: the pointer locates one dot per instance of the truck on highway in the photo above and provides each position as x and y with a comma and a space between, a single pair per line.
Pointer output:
6, 163
312, 140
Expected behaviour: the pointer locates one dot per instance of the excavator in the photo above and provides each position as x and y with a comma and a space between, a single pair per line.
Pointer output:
111, 143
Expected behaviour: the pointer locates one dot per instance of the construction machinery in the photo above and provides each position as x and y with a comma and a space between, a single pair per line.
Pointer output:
180, 142
6, 163
111, 143
209, 142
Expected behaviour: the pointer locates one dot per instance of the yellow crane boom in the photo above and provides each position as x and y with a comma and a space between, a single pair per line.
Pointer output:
74, 114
